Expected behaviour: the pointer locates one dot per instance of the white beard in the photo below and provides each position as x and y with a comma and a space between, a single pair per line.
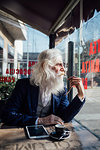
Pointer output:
53, 85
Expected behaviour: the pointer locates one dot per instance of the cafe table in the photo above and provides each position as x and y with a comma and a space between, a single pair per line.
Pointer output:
80, 138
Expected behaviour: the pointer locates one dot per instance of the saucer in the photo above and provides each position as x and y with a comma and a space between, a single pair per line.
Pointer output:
56, 137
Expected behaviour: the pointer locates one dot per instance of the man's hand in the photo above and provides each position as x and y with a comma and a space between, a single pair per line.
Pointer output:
50, 120
76, 81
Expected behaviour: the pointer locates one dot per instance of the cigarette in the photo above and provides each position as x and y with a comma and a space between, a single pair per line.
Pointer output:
69, 91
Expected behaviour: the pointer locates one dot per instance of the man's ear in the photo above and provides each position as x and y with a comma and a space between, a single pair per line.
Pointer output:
43, 64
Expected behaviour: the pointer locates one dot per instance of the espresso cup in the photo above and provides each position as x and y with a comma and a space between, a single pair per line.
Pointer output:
59, 129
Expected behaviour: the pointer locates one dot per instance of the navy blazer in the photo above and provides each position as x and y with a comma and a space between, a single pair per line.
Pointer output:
21, 107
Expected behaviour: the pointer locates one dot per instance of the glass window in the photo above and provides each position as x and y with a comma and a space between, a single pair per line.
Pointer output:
1, 42
10, 51
86, 39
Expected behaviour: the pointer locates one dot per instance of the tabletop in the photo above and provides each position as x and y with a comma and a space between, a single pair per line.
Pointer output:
15, 139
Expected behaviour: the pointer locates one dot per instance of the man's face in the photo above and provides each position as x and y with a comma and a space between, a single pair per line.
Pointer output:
59, 69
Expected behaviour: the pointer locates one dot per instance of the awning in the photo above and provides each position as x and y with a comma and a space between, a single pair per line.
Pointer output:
50, 16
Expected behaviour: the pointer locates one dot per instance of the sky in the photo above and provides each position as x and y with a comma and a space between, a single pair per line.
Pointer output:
36, 41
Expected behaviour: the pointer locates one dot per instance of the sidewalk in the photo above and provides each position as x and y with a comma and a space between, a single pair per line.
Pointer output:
87, 139
89, 116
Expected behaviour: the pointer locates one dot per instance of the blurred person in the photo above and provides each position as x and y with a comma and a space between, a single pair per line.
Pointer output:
42, 99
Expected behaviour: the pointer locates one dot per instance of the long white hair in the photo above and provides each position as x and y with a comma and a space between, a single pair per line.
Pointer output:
43, 75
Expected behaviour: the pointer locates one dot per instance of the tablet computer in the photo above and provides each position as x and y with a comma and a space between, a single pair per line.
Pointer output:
36, 131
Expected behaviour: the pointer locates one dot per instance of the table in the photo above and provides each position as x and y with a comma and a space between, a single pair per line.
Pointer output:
15, 139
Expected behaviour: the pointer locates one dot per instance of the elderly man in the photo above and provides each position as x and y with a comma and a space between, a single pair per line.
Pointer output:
42, 99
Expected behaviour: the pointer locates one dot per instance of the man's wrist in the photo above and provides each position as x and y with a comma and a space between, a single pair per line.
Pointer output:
40, 121
81, 98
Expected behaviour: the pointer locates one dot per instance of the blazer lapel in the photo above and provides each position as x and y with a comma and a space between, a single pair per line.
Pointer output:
34, 93
54, 101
